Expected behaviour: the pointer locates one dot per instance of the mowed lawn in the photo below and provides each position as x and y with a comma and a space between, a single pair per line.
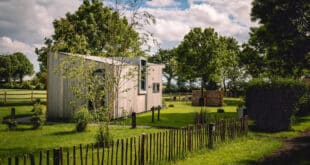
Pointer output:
182, 114
54, 135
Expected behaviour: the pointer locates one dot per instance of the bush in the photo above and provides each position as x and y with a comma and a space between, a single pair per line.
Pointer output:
81, 118
171, 105
103, 138
272, 103
38, 118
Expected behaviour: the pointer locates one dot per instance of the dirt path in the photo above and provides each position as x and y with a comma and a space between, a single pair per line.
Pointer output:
295, 151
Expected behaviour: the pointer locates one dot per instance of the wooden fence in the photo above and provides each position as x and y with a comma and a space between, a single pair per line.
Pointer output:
154, 148
7, 97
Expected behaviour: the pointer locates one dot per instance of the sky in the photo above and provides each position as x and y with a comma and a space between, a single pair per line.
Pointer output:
25, 24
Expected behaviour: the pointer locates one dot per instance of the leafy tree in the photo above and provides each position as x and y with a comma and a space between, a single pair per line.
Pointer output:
198, 55
230, 52
15, 66
92, 29
23, 67
284, 35
167, 57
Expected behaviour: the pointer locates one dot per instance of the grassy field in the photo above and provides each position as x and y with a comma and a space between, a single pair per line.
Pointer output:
240, 151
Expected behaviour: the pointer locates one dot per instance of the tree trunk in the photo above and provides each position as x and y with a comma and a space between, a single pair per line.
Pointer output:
224, 85
169, 84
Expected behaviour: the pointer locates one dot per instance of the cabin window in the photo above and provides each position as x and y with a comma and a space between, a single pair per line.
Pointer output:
156, 87
142, 77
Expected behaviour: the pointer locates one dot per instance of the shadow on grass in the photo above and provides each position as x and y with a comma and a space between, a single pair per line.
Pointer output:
64, 132
178, 120
233, 102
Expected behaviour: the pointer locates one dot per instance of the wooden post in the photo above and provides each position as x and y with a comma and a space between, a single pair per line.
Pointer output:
81, 154
158, 114
153, 109
133, 120
40, 158
16, 161
211, 132
47, 157
13, 113
56, 158
222, 130
142, 149
9, 160
190, 138
74, 155
246, 126
32, 161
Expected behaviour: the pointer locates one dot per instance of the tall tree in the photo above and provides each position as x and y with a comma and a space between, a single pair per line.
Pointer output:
230, 52
15, 66
24, 66
198, 56
167, 57
284, 34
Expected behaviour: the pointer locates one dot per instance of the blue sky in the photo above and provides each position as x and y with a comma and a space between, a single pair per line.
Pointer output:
25, 24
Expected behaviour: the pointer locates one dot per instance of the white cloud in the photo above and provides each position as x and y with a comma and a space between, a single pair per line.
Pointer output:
173, 24
162, 3
9, 46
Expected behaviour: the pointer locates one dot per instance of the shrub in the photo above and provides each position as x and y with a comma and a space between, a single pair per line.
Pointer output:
272, 103
170, 105
103, 138
38, 118
81, 118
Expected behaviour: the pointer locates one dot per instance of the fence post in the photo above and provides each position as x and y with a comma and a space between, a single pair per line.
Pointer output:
246, 127
142, 149
56, 153
158, 114
211, 132
223, 130
190, 138
13, 113
153, 109
32, 161
133, 120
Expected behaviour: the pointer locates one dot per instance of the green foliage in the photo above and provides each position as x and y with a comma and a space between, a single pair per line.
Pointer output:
282, 37
15, 66
82, 118
200, 47
103, 138
39, 116
272, 102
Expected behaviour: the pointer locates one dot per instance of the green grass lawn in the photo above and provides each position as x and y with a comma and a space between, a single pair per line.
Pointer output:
183, 113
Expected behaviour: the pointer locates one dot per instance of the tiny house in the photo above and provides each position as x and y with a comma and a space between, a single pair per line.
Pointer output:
143, 91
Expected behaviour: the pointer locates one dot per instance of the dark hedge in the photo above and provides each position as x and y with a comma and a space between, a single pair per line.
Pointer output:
272, 103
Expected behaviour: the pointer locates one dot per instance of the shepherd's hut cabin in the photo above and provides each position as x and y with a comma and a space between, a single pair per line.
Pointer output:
139, 94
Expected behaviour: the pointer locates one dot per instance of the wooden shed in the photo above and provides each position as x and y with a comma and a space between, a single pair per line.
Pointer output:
210, 97
144, 91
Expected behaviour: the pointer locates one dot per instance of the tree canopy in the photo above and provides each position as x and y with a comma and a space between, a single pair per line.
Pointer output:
283, 36
15, 66
92, 29
198, 55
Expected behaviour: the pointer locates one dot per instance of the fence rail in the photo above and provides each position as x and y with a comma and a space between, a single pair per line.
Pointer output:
7, 97
145, 149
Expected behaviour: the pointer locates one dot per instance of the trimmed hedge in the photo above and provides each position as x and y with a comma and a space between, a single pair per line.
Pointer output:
272, 103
